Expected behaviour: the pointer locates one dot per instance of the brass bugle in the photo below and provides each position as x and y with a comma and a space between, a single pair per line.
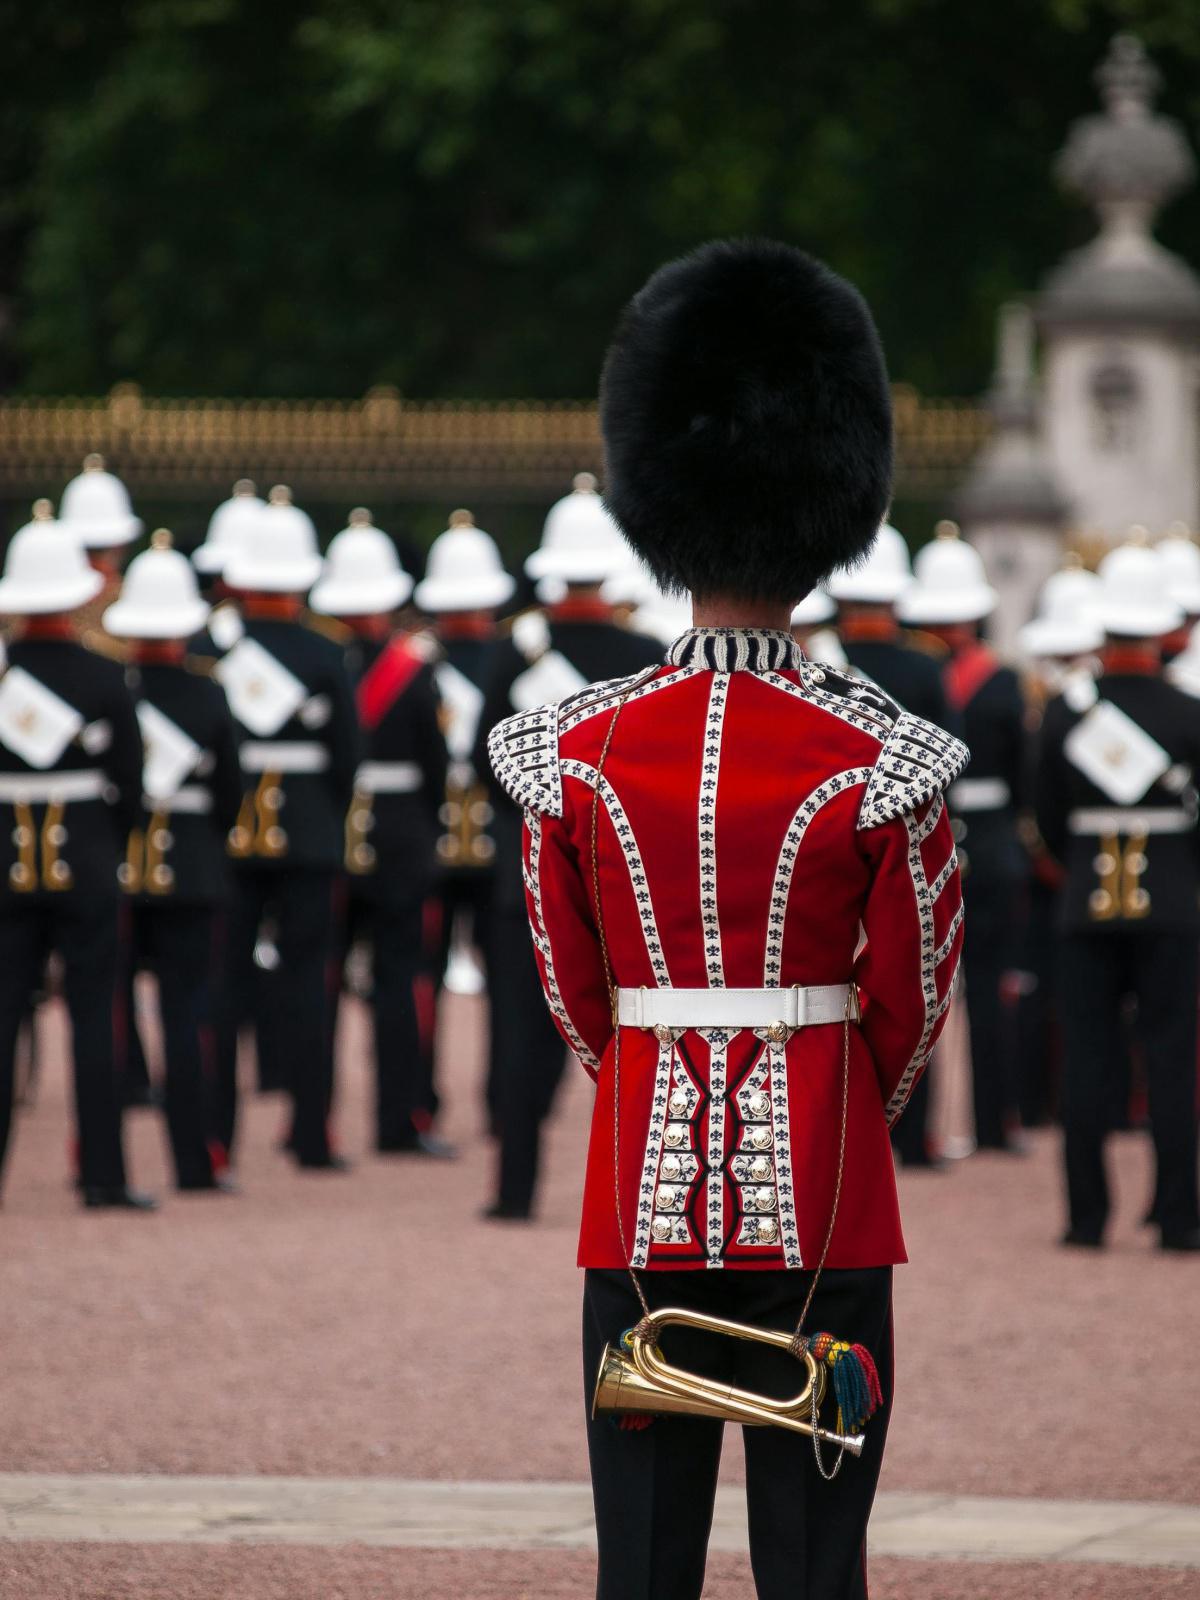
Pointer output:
641, 1380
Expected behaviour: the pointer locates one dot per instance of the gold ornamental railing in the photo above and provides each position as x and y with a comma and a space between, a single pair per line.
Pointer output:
383, 445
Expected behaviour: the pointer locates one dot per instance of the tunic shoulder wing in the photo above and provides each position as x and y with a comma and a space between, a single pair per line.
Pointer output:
916, 762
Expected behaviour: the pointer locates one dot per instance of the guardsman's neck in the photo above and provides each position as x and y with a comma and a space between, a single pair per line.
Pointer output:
729, 611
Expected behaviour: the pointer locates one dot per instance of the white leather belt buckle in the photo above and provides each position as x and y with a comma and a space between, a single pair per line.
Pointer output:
784, 1009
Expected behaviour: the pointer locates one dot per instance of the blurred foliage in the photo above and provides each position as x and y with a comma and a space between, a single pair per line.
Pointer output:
455, 196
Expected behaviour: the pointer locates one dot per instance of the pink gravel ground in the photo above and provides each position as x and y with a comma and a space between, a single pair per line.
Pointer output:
369, 1325
264, 1572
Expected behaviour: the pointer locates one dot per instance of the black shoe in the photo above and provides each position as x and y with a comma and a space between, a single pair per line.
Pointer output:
419, 1144
1082, 1239
120, 1197
329, 1163
499, 1212
1184, 1243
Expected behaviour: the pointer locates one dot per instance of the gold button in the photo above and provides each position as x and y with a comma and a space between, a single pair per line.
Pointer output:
125, 874
760, 1168
760, 1138
162, 877
678, 1104
239, 838
672, 1168
276, 838
19, 876
764, 1199
1135, 861
661, 1229
449, 849
363, 855
766, 1229
759, 1105
1103, 863
1139, 900
667, 1197
59, 871
1099, 901
56, 833
161, 839
273, 797
777, 1033
663, 1032
22, 836
676, 1135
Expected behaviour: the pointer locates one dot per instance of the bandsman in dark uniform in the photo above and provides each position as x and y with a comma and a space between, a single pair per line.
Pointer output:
950, 598
1117, 805
70, 785
1180, 558
464, 585
392, 824
292, 704
878, 650
548, 656
96, 509
175, 871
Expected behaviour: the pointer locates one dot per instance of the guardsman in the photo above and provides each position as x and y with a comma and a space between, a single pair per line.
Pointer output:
231, 524
464, 585
392, 825
1117, 806
70, 785
704, 843
175, 870
294, 711
879, 651
950, 598
547, 657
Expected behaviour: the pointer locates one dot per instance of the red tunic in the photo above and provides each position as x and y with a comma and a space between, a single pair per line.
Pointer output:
759, 816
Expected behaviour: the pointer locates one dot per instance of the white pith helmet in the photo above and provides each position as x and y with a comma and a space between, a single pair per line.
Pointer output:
1066, 623
279, 554
882, 577
949, 583
363, 574
46, 569
1134, 603
580, 541
228, 526
95, 507
816, 607
1181, 564
159, 597
463, 571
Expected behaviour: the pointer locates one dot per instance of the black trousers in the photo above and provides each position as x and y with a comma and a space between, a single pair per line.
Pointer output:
402, 1002
988, 951
654, 1489
528, 1056
175, 944
300, 901
1097, 971
84, 933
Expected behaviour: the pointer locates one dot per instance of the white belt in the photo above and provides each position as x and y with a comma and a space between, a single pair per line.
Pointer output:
388, 777
191, 801
979, 794
796, 1007
282, 755
35, 789
1095, 821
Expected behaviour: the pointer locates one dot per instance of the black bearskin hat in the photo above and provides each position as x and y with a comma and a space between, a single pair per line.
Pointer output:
747, 422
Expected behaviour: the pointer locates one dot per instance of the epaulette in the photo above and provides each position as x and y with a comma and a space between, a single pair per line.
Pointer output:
523, 751
917, 761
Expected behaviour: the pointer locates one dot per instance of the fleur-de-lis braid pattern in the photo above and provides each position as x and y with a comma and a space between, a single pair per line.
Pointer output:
943, 950
633, 860
600, 697
786, 865
789, 1236
654, 1144
542, 945
858, 710
718, 1073
523, 751
944, 876
709, 771
928, 955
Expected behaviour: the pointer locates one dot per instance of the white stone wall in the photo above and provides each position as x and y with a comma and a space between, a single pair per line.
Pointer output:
1151, 474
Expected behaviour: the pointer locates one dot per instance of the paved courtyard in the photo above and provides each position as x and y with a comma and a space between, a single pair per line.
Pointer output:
309, 1392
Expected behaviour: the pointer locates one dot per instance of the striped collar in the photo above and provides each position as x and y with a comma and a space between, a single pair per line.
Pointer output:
736, 650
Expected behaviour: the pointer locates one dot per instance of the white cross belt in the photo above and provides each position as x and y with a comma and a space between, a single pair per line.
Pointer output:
388, 777
797, 1007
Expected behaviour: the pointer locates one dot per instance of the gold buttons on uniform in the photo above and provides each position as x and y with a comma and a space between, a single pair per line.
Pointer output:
663, 1032
766, 1230
363, 855
777, 1033
1100, 902
22, 836
59, 874
162, 839
675, 1135
760, 1168
125, 875
276, 838
678, 1104
161, 878
672, 1168
21, 877
660, 1230
1103, 863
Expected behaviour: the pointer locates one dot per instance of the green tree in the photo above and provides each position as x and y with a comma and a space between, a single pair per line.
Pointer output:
456, 196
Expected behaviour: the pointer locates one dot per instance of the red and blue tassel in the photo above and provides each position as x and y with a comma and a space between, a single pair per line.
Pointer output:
855, 1379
